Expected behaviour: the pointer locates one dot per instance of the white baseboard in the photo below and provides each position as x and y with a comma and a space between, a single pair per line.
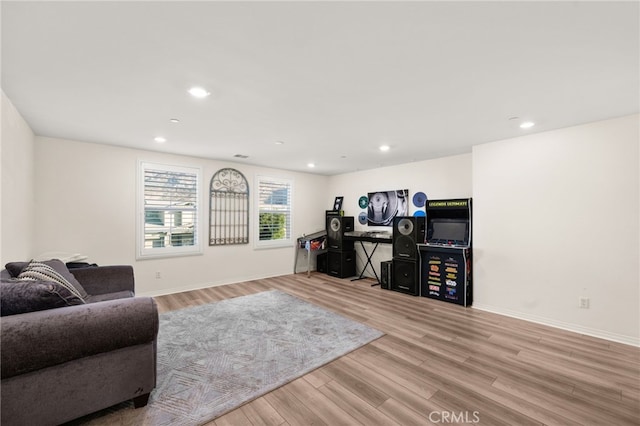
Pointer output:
199, 286
614, 337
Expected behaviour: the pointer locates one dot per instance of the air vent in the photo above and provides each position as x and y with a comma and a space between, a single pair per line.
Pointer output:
241, 156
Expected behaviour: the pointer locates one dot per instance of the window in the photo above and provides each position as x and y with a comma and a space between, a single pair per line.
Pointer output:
274, 212
169, 203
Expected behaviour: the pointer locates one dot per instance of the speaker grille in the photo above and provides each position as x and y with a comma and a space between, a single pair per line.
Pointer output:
405, 277
336, 226
408, 231
405, 226
341, 264
406, 247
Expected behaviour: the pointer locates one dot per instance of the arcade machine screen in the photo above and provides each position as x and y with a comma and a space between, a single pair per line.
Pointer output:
448, 231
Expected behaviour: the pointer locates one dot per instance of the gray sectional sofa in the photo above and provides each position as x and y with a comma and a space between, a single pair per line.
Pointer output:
64, 362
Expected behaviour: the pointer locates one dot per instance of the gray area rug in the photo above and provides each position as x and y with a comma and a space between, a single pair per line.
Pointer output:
213, 358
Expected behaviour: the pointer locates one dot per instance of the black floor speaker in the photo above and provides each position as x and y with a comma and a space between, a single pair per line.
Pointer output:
336, 227
321, 262
341, 264
408, 231
386, 269
405, 277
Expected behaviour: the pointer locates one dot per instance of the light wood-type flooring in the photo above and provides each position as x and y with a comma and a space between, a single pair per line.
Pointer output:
440, 363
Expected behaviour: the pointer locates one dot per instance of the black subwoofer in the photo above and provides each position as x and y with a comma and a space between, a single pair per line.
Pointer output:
408, 231
341, 264
405, 277
386, 269
321, 262
336, 227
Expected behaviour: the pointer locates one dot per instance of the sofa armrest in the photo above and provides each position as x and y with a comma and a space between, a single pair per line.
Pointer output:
41, 339
105, 279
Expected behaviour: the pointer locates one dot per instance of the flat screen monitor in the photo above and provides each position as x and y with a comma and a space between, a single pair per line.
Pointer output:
449, 230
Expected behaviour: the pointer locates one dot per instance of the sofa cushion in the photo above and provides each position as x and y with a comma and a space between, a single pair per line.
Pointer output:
109, 296
53, 270
14, 268
56, 336
20, 296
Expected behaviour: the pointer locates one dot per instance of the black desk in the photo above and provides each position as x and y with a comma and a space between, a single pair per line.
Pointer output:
369, 239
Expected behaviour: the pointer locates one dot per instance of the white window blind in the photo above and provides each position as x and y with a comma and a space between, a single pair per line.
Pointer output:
274, 212
169, 216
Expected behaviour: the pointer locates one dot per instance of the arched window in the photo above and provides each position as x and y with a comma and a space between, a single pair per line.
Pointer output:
228, 208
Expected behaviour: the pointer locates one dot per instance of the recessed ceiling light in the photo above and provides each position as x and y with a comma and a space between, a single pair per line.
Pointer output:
279, 143
311, 165
527, 125
241, 156
199, 92
174, 120
385, 148
160, 139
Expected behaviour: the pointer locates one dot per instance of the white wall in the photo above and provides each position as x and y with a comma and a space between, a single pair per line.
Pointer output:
18, 202
447, 177
556, 218
86, 197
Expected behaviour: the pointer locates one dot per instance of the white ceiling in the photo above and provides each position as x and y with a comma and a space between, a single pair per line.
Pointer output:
332, 80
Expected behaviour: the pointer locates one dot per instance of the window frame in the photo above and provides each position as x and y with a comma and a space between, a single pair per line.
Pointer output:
143, 252
269, 244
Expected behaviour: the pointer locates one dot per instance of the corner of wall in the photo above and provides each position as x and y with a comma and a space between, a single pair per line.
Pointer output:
17, 148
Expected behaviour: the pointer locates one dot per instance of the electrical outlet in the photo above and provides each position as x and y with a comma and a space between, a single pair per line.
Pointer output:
583, 303
158, 275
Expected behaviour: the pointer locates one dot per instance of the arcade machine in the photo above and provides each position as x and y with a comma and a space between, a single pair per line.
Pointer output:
445, 259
